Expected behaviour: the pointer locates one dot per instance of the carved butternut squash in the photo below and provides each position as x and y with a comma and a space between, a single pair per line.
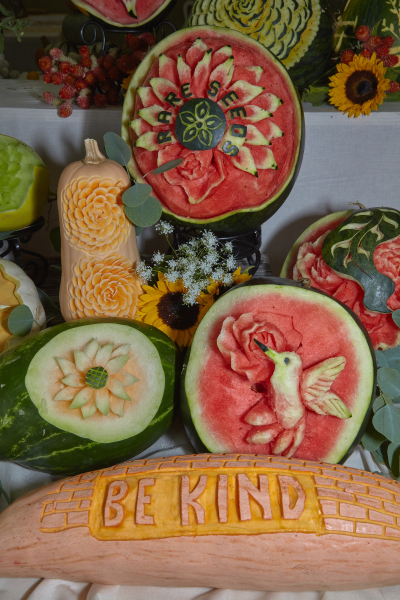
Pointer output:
210, 520
98, 242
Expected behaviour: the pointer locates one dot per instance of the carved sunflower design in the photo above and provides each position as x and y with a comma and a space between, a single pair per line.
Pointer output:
90, 381
210, 112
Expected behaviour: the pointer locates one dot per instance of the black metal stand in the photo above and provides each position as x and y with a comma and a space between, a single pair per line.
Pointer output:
105, 29
245, 245
23, 236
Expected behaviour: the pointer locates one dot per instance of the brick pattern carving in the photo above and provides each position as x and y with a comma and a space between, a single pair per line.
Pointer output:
352, 502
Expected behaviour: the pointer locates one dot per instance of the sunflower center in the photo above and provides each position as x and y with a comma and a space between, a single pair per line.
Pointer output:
174, 313
96, 378
361, 86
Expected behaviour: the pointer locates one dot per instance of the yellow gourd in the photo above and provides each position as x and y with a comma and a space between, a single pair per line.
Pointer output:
98, 243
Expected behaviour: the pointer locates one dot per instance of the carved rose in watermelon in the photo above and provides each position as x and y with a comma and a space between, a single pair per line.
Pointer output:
300, 34
226, 106
126, 13
355, 257
275, 368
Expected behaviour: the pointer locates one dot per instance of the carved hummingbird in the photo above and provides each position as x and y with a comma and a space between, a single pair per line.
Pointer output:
282, 422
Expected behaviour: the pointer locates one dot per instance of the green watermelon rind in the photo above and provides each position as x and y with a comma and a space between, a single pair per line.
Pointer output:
29, 440
155, 18
327, 223
201, 439
245, 219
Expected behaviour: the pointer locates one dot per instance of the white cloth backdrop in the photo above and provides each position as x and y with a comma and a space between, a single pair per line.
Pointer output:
344, 161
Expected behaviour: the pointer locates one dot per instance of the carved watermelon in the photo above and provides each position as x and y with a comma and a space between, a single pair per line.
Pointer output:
223, 103
278, 369
362, 250
126, 13
300, 34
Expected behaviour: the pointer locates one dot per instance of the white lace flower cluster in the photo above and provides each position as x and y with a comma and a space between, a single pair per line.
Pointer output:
199, 263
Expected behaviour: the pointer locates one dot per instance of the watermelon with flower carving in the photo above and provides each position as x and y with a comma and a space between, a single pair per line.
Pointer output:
225, 105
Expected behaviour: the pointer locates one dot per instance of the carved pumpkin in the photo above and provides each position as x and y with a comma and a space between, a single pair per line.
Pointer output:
17, 288
98, 242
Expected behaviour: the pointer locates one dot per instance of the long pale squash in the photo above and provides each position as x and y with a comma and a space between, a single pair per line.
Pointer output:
231, 521
98, 242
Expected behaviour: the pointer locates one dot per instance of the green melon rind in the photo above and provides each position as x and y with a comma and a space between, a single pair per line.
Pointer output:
351, 436
242, 220
28, 440
328, 223
164, 9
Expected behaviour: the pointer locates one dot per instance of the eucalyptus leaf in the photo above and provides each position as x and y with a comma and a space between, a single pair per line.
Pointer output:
116, 148
55, 238
168, 166
146, 214
372, 439
137, 194
5, 234
379, 402
393, 453
381, 359
396, 317
387, 422
20, 320
377, 454
392, 356
389, 381
6, 496
138, 230
48, 305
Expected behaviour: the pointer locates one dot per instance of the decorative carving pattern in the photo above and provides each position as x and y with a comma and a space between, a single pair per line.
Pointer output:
93, 215
340, 500
104, 287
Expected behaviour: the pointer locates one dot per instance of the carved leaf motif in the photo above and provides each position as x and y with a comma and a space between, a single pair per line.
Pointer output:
190, 134
205, 137
202, 111
213, 122
349, 250
187, 118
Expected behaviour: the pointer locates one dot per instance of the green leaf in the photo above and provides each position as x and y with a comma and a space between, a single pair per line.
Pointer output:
396, 317
389, 381
137, 194
316, 95
116, 148
392, 357
378, 455
20, 320
55, 238
168, 166
393, 453
372, 439
381, 359
387, 422
138, 230
378, 403
146, 214
48, 305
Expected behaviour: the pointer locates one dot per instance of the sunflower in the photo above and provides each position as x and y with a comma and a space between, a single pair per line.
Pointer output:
359, 87
237, 277
163, 307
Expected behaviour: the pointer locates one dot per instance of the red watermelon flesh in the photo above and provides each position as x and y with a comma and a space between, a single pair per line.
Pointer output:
116, 12
222, 389
212, 186
307, 261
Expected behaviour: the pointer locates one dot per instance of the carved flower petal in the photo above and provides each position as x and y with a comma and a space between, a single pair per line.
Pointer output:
91, 349
66, 366
127, 378
190, 134
67, 393
205, 137
187, 118
124, 349
82, 398
73, 380
213, 122
88, 411
115, 364
102, 400
202, 111
117, 406
103, 355
82, 361
117, 389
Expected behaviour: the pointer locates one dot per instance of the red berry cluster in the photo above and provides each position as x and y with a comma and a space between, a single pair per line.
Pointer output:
93, 80
374, 44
